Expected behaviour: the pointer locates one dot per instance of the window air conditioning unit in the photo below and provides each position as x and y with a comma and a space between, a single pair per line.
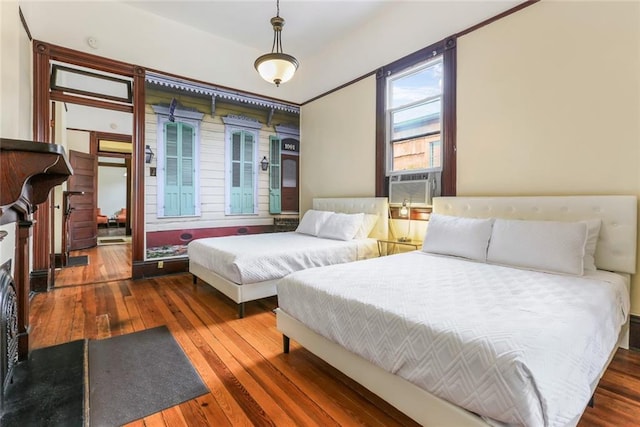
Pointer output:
414, 189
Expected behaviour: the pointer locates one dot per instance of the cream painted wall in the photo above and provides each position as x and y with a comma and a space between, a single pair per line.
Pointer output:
549, 103
15, 74
337, 144
15, 94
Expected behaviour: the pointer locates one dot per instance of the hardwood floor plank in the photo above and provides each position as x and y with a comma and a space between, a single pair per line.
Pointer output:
90, 311
251, 381
77, 326
173, 417
105, 264
155, 420
231, 370
232, 397
198, 413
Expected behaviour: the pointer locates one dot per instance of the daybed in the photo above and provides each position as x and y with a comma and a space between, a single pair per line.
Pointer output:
460, 337
247, 267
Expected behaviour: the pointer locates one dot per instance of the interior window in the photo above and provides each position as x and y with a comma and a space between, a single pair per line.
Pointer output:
416, 120
414, 114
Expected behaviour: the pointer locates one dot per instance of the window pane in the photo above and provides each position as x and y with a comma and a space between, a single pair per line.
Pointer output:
289, 173
248, 175
416, 120
187, 172
425, 82
172, 139
187, 141
235, 175
248, 149
235, 147
172, 172
417, 153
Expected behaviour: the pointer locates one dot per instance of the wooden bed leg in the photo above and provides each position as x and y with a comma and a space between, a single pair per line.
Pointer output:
285, 344
195, 279
240, 310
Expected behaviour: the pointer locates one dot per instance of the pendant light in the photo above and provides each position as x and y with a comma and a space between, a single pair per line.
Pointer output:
276, 67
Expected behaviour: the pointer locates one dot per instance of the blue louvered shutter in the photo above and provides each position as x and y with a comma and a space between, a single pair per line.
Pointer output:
242, 173
247, 174
275, 193
179, 174
171, 172
236, 176
187, 170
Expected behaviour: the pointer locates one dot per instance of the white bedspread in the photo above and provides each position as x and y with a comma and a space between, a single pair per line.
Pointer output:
516, 346
259, 257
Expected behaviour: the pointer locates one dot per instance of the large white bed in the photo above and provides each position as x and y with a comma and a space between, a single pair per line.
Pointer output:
246, 268
456, 342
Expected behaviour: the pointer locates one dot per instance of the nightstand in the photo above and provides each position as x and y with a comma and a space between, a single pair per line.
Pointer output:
392, 246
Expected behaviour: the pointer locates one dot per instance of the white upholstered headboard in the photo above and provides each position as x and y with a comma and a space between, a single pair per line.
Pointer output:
371, 205
616, 248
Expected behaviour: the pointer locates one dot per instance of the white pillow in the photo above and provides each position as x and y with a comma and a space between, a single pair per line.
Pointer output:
340, 226
550, 246
593, 232
312, 221
368, 223
457, 236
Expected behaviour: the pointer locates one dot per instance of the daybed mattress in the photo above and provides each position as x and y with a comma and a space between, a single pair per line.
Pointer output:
517, 346
260, 257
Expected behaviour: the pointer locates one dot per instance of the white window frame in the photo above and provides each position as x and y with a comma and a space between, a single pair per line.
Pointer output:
389, 112
192, 118
235, 123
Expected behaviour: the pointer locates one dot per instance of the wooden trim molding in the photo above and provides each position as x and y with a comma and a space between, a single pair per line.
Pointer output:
497, 17
24, 24
44, 53
137, 167
634, 332
448, 49
143, 269
57, 95
39, 280
449, 125
356, 80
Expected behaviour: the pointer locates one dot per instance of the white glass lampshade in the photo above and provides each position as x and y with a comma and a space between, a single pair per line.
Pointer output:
276, 67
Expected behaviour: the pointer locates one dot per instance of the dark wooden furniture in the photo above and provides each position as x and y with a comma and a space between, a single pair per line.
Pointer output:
28, 172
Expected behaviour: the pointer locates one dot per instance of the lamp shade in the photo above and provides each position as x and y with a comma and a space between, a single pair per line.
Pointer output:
276, 67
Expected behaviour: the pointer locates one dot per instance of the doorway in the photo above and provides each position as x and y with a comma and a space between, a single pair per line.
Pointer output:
61, 75
92, 201
290, 183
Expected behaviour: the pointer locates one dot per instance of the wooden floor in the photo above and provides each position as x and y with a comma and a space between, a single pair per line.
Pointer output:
241, 361
106, 263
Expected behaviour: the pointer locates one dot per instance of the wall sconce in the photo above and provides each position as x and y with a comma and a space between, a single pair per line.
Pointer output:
264, 163
148, 154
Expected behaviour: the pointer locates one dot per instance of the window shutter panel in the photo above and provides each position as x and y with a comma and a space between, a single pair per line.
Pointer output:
187, 172
275, 193
247, 173
236, 178
171, 172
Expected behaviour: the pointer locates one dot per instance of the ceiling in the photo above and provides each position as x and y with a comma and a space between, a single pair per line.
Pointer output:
316, 30
217, 41
309, 25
